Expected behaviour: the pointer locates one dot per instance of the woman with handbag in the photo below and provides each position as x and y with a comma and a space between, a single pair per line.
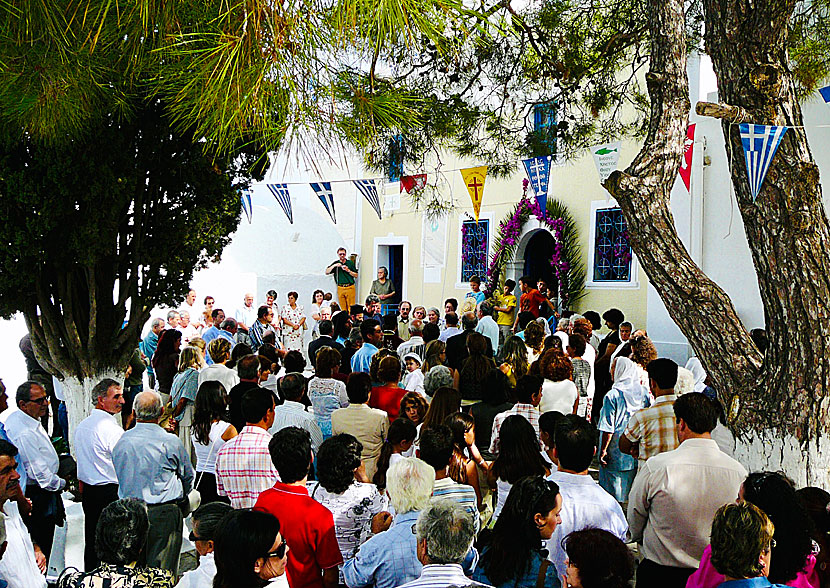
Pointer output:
210, 431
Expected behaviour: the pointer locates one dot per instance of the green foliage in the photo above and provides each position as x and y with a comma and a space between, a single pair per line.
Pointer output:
101, 228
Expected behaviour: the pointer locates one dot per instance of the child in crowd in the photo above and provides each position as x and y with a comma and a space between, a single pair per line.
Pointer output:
414, 379
399, 440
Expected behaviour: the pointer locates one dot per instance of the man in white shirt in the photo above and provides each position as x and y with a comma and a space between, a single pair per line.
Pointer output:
246, 316
173, 320
584, 502
486, 325
676, 493
188, 329
95, 439
40, 459
292, 412
189, 307
21, 565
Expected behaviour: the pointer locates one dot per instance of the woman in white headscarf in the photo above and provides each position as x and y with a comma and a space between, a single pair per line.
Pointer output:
694, 366
627, 396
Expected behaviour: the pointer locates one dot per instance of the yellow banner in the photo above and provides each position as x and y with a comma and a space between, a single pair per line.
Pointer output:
474, 180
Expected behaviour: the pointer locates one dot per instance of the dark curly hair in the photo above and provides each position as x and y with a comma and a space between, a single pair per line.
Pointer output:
601, 560
774, 494
555, 365
338, 458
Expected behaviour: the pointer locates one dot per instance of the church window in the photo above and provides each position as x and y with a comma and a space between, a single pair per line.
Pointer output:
475, 242
612, 251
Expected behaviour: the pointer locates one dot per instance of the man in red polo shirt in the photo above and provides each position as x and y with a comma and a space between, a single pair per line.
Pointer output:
531, 299
307, 525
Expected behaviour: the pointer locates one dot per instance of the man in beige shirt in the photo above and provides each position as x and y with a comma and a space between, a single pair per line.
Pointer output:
675, 495
368, 425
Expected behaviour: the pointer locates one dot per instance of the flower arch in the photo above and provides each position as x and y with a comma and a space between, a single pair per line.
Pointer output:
566, 260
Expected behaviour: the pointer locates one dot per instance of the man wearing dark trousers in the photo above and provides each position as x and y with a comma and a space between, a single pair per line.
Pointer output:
151, 464
676, 493
95, 439
43, 484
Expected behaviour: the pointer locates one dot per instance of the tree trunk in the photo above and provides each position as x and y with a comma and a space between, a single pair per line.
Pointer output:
788, 235
776, 409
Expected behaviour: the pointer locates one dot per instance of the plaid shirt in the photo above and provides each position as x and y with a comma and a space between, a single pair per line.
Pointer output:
654, 428
244, 467
528, 411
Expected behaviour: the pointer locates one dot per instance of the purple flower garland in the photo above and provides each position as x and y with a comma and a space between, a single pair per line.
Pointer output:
510, 230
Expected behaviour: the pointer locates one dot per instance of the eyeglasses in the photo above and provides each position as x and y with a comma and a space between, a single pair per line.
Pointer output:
43, 400
279, 552
771, 544
193, 538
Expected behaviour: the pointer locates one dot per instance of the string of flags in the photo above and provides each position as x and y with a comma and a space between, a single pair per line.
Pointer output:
760, 144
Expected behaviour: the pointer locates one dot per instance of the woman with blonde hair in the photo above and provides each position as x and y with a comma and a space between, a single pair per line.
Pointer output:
643, 351
742, 545
183, 393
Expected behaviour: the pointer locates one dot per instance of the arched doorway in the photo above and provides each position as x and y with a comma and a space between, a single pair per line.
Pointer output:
537, 256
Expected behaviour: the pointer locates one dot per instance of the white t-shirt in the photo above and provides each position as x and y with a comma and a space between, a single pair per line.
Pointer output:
218, 372
206, 454
559, 396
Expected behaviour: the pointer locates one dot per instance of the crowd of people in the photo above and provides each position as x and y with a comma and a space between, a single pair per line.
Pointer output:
419, 448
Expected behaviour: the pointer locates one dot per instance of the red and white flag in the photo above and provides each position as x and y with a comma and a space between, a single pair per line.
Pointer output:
686, 162
414, 183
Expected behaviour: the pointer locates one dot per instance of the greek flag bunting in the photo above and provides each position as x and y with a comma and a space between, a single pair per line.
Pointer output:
324, 193
370, 193
538, 172
280, 192
825, 93
760, 143
245, 195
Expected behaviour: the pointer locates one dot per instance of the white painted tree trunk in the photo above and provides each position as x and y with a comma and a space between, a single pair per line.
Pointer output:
80, 401
806, 466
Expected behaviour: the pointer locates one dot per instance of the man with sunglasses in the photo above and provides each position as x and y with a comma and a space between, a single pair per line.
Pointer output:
40, 459
206, 521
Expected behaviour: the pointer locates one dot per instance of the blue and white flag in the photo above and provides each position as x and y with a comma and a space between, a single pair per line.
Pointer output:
280, 192
538, 172
370, 192
825, 93
324, 193
245, 195
760, 143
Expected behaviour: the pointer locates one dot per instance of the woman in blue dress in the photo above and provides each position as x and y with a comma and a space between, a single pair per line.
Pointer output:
627, 396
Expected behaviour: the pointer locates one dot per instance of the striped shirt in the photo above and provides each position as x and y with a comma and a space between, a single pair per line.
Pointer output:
449, 489
654, 428
293, 414
528, 411
441, 576
244, 468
